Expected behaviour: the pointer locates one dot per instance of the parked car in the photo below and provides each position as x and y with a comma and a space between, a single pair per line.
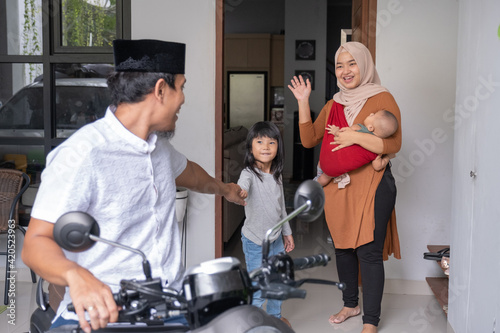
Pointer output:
78, 101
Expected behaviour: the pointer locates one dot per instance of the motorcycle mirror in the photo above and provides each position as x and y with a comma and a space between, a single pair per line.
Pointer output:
308, 203
312, 191
72, 231
78, 231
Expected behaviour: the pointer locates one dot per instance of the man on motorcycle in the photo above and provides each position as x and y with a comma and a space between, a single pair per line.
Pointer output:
123, 171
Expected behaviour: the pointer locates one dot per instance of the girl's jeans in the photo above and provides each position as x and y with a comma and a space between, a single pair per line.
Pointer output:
253, 258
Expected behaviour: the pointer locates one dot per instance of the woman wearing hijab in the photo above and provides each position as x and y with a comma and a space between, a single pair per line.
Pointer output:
360, 217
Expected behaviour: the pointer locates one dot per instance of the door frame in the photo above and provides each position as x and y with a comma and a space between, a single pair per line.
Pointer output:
219, 119
364, 23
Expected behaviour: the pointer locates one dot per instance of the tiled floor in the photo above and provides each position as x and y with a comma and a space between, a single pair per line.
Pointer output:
400, 313
24, 306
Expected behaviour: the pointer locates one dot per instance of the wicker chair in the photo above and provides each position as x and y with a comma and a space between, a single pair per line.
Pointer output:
11, 190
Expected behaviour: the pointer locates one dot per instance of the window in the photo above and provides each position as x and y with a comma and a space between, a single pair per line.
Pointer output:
86, 26
54, 57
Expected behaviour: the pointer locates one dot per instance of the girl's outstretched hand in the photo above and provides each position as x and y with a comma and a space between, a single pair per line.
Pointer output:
232, 193
243, 194
300, 89
289, 243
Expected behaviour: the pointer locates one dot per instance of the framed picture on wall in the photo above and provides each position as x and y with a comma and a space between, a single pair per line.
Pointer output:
306, 74
277, 115
305, 50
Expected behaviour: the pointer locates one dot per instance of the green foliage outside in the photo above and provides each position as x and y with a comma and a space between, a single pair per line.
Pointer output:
87, 23
31, 37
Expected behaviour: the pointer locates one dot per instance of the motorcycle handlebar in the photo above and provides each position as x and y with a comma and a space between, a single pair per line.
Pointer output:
117, 297
321, 259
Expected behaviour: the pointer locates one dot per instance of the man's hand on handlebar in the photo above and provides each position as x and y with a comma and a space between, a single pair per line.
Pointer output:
92, 296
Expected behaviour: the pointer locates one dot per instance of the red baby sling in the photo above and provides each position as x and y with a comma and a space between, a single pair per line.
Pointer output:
346, 159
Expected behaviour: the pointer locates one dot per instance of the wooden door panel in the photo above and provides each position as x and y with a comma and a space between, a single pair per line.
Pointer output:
364, 23
236, 52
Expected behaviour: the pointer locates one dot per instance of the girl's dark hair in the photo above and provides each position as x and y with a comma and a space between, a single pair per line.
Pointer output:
270, 130
132, 87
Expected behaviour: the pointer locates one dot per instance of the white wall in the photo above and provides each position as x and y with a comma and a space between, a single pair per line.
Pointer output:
191, 22
304, 20
474, 297
416, 59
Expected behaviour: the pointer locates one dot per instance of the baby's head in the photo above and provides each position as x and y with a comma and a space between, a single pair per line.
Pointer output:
381, 123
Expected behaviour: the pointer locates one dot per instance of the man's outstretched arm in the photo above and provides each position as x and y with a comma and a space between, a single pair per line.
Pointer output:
195, 178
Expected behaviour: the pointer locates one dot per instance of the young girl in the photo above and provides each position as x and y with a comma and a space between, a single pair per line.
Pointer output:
262, 187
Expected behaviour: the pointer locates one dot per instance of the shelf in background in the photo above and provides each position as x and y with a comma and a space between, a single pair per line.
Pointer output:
439, 285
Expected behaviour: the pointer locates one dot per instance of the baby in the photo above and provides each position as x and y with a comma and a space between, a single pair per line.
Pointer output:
382, 124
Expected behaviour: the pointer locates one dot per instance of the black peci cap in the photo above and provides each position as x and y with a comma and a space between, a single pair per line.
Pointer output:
148, 55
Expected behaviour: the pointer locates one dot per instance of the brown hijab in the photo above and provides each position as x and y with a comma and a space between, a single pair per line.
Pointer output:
354, 99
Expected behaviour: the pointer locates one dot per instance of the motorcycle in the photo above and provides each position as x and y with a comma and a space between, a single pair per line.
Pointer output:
216, 295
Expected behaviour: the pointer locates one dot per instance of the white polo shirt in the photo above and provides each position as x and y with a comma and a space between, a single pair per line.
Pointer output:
128, 185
